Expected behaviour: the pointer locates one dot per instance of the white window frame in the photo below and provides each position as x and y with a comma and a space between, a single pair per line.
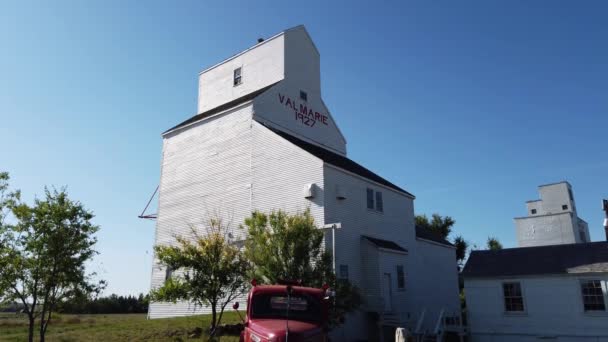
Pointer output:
604, 287
523, 298
397, 276
374, 200
240, 78
379, 199
367, 198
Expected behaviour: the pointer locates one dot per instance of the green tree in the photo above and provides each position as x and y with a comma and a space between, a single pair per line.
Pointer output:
213, 270
462, 247
43, 255
493, 244
7, 198
7, 201
441, 225
290, 247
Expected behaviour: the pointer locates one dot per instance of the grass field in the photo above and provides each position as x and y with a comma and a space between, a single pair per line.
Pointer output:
108, 328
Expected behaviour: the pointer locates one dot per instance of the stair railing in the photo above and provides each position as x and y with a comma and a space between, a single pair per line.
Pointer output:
420, 321
438, 332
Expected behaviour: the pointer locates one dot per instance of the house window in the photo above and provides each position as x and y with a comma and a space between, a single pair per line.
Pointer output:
593, 295
570, 193
379, 204
238, 79
565, 207
514, 301
533, 211
303, 95
374, 200
400, 277
370, 198
582, 235
343, 272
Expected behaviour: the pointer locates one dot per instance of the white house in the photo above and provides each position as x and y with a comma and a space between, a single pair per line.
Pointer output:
556, 293
554, 287
265, 140
552, 219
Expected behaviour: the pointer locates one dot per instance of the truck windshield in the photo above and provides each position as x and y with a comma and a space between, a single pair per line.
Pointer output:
301, 307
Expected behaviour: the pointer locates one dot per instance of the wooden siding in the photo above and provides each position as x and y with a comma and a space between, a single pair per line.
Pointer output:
205, 172
269, 109
553, 307
281, 170
302, 73
228, 166
395, 223
260, 66
431, 281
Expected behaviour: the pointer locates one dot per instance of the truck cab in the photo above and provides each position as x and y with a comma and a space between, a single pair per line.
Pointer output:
277, 313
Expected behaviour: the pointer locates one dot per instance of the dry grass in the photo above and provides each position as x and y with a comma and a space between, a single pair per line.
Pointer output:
107, 328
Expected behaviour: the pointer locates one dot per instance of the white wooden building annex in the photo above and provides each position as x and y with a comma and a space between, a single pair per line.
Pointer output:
553, 287
265, 140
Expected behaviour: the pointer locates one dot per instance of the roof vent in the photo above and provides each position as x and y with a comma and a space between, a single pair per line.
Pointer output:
260, 40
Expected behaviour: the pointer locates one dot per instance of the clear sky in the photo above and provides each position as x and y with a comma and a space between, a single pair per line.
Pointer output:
468, 105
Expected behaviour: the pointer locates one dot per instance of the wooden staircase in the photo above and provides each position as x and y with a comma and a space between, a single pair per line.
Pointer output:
444, 323
429, 338
389, 319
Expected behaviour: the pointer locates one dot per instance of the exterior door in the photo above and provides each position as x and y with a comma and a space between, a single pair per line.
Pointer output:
387, 292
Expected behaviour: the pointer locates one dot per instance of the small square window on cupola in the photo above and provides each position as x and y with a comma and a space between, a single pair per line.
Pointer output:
237, 78
303, 95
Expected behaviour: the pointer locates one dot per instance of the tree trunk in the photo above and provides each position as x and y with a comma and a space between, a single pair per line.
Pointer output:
41, 330
213, 317
219, 319
45, 323
30, 336
42, 322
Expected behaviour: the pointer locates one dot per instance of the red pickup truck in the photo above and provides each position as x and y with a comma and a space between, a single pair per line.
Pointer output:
285, 313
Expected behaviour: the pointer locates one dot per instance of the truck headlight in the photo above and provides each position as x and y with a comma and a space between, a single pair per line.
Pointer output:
255, 338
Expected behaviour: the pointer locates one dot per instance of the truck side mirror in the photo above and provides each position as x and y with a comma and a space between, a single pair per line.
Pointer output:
329, 294
235, 306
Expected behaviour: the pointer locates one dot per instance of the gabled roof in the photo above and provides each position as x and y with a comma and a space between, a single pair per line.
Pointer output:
221, 108
264, 41
337, 160
539, 260
384, 244
319, 152
423, 233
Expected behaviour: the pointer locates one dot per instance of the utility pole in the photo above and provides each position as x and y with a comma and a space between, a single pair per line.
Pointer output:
605, 207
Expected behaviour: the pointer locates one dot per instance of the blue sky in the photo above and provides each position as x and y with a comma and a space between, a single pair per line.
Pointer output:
468, 105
